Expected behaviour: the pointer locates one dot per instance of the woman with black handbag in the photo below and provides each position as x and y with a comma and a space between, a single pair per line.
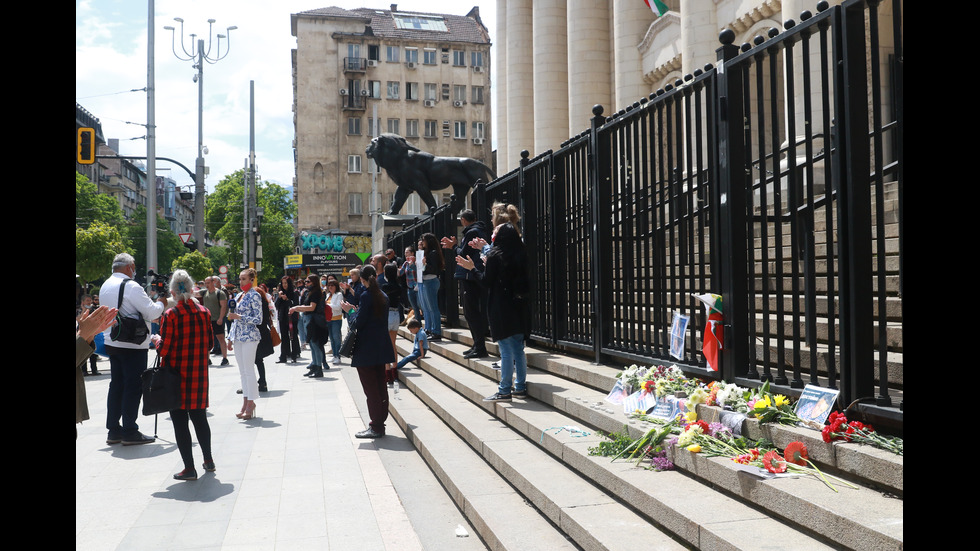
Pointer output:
372, 351
314, 313
183, 343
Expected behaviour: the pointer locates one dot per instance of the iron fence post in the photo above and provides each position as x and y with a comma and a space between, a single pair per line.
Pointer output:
731, 199
600, 182
854, 205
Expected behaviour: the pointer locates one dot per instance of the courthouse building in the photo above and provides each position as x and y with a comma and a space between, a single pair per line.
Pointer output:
423, 76
556, 59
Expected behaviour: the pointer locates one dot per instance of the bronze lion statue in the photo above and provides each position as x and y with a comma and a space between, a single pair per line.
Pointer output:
421, 172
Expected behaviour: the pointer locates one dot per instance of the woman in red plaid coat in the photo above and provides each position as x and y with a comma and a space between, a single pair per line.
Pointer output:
183, 343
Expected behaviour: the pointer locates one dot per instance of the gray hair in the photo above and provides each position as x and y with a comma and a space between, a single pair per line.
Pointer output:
181, 286
121, 261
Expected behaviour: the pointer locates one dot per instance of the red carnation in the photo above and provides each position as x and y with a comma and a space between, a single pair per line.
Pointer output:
796, 453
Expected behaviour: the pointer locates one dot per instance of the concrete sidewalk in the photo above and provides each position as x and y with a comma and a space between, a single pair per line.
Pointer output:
292, 478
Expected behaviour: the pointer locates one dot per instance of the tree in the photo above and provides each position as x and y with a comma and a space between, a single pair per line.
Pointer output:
219, 256
225, 220
91, 206
196, 264
95, 247
169, 246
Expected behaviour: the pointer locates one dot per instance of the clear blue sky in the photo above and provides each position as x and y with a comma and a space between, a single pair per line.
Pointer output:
111, 60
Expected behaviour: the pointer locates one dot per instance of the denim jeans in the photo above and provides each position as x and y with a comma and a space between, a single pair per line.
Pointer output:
429, 297
334, 326
410, 358
413, 300
512, 359
303, 320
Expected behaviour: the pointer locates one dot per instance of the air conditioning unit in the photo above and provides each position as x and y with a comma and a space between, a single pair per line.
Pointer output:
458, 104
411, 64
429, 103
477, 69
364, 92
343, 91
372, 62
477, 141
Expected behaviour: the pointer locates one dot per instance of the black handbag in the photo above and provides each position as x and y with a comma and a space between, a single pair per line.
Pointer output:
161, 389
350, 339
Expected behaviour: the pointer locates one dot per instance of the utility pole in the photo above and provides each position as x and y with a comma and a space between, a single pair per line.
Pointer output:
151, 144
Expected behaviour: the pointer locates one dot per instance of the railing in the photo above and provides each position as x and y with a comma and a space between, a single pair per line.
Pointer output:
699, 189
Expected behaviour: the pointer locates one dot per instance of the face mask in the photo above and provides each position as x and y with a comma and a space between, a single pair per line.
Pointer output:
246, 286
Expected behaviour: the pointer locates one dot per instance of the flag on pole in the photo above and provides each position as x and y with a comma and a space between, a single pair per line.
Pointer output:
714, 335
658, 7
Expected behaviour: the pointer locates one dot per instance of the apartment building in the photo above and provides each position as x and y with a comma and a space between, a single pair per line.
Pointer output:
359, 72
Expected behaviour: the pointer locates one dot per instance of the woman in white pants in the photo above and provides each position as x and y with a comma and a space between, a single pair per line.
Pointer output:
245, 333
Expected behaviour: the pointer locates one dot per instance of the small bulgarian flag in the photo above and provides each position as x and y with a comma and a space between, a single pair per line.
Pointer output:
658, 7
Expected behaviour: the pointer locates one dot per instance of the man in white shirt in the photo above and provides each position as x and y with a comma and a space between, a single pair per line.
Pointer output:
127, 360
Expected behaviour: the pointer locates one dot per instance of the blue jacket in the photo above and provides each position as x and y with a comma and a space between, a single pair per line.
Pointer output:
373, 346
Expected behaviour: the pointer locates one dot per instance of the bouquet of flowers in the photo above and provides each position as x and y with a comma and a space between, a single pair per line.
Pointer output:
728, 396
631, 378
855, 431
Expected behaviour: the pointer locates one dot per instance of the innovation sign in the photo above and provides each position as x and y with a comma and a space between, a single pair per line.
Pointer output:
334, 254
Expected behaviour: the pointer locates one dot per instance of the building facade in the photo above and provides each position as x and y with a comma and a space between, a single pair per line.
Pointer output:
365, 71
612, 53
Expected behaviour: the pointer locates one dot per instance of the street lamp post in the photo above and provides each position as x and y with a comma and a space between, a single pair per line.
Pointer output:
200, 55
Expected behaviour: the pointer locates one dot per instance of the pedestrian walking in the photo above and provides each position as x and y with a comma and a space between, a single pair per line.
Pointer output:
185, 340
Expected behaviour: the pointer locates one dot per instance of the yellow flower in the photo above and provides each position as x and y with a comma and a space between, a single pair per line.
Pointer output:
763, 403
691, 416
781, 400
694, 448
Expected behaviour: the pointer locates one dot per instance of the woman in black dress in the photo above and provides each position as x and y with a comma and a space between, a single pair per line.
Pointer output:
372, 351
286, 298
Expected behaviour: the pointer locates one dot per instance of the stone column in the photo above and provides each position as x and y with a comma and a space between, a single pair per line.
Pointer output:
589, 55
520, 81
500, 75
550, 75
631, 19
699, 34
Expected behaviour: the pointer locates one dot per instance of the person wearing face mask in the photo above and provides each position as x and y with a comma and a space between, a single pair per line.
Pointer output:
245, 334
128, 350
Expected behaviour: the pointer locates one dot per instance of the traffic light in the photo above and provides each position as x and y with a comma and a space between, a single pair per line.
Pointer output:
86, 146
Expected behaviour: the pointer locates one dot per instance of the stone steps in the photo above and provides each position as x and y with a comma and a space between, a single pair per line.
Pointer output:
600, 504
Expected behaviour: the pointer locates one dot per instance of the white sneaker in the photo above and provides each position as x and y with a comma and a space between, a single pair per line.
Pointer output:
336, 360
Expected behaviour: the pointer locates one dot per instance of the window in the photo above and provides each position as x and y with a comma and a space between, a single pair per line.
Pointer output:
459, 130
353, 50
446, 129
412, 91
459, 93
431, 127
370, 126
393, 89
393, 125
445, 91
412, 128
477, 94
459, 58
354, 203
411, 55
429, 56
374, 88
373, 167
431, 91
354, 163
392, 53
374, 52
478, 130
354, 126
476, 59
419, 22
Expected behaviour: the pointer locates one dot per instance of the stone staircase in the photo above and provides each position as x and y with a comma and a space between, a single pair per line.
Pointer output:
522, 474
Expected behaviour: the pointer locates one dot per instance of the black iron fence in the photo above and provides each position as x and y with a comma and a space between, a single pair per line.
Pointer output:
700, 188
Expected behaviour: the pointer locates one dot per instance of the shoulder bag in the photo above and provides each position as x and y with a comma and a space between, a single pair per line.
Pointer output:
350, 339
161, 389
129, 330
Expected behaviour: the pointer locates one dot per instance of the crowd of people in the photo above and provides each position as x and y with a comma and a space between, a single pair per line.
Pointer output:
190, 322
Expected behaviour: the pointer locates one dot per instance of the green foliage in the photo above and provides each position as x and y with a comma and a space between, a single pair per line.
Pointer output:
219, 256
225, 220
169, 246
95, 247
91, 206
196, 264
617, 443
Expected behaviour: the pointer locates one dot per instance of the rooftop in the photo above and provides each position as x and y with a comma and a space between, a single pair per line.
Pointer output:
408, 25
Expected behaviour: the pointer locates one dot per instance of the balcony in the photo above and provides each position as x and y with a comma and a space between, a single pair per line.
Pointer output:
355, 64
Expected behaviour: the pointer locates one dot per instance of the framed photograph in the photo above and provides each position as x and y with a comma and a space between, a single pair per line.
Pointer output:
815, 404
678, 334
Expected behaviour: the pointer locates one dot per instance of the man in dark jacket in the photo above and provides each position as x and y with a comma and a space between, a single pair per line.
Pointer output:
474, 295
